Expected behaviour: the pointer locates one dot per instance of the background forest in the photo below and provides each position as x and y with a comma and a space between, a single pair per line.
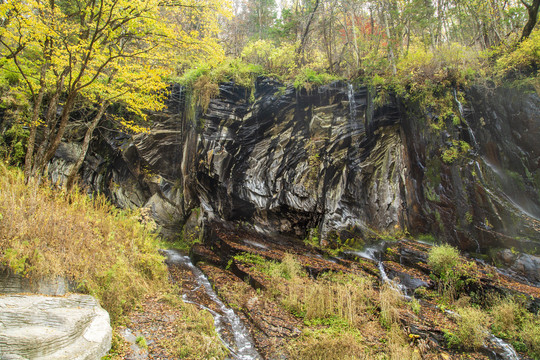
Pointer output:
90, 55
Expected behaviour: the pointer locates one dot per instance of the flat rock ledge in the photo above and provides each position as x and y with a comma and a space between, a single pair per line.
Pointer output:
73, 327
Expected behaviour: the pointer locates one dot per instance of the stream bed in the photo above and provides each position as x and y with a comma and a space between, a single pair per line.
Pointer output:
229, 326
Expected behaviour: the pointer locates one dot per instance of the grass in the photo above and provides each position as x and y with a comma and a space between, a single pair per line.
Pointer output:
511, 321
328, 346
106, 251
288, 268
471, 331
194, 335
390, 300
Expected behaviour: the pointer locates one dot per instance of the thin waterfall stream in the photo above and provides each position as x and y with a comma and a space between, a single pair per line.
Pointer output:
499, 348
229, 326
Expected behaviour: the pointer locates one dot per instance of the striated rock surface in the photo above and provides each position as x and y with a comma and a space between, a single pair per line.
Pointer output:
333, 159
74, 327
12, 283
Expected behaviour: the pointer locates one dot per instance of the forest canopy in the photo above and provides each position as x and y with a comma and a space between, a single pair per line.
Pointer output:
61, 56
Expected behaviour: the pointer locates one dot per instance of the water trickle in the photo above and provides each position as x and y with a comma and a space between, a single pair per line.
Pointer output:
462, 116
500, 348
393, 283
352, 102
241, 346
506, 351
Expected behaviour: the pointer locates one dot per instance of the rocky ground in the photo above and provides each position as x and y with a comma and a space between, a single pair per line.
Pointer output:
234, 258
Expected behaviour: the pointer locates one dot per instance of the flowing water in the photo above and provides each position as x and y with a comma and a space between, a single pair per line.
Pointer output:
352, 102
506, 351
226, 321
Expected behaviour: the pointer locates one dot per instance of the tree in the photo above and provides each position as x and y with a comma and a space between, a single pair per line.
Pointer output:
65, 50
532, 10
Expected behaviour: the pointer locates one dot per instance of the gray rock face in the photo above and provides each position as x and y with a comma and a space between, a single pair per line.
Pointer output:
525, 265
11, 283
298, 161
333, 159
74, 327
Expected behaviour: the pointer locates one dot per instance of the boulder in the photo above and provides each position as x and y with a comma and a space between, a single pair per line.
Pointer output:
72, 327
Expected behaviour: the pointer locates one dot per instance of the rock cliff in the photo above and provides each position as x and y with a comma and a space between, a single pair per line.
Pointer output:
331, 159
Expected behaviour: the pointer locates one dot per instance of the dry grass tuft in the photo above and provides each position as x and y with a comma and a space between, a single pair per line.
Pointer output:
391, 300
44, 232
325, 346
335, 296
195, 336
472, 329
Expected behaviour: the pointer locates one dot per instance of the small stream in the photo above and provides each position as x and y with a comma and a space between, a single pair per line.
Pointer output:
499, 348
229, 327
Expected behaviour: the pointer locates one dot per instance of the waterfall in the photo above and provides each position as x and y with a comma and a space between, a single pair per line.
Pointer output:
462, 117
352, 102
224, 320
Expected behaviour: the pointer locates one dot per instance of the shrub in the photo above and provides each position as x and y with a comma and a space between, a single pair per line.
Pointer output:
443, 258
523, 60
307, 78
471, 329
444, 261
13, 144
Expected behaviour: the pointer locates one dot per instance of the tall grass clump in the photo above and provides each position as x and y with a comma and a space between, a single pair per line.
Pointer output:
104, 250
472, 329
444, 261
194, 336
390, 299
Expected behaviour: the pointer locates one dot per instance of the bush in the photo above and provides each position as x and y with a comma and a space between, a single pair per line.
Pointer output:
524, 60
307, 78
471, 330
442, 259
13, 144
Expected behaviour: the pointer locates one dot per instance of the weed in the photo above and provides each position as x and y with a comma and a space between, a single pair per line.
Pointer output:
415, 306
141, 342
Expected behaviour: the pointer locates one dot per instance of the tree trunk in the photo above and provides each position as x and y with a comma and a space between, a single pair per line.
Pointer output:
300, 49
50, 119
29, 158
40, 163
86, 143
533, 18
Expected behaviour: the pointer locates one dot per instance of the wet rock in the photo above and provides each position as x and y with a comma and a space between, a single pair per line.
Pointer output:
528, 266
330, 159
40, 327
